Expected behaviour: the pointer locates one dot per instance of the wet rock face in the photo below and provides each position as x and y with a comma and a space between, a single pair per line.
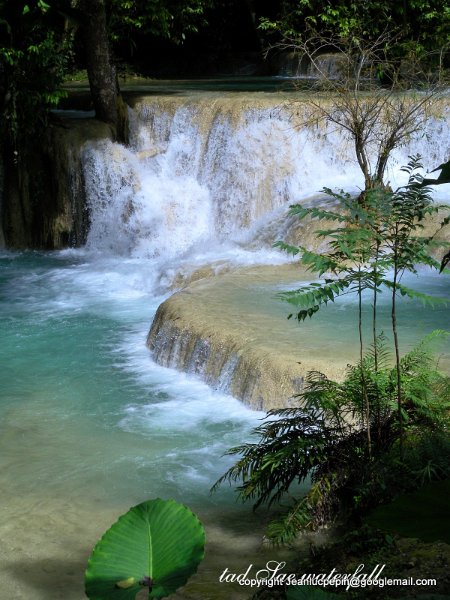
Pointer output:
225, 361
233, 345
43, 199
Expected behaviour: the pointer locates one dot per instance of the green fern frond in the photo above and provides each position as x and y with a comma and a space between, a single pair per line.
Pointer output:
284, 529
425, 299
288, 248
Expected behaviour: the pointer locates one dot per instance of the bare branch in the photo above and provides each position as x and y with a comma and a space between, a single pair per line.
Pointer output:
368, 96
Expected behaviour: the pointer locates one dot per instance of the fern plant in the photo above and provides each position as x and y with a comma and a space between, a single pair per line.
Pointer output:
324, 438
342, 434
353, 261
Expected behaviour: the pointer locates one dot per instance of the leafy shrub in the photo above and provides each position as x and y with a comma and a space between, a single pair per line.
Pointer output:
325, 438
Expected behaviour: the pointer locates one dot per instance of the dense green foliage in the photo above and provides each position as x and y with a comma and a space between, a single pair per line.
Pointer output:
325, 438
420, 27
156, 545
41, 41
171, 19
356, 438
400, 558
35, 51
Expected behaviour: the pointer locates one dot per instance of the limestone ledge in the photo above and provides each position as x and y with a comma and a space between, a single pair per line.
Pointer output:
44, 201
258, 378
197, 331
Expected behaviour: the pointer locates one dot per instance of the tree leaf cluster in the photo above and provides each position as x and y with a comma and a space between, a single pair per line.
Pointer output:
35, 52
421, 26
375, 234
170, 19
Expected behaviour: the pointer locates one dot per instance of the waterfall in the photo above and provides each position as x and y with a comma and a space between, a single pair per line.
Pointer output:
208, 179
294, 64
212, 169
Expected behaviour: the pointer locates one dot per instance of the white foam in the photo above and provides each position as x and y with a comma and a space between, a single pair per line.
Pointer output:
182, 186
186, 401
186, 194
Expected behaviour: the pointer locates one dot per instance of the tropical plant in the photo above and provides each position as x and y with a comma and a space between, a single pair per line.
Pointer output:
374, 243
35, 49
400, 220
353, 244
170, 19
155, 545
324, 439
341, 433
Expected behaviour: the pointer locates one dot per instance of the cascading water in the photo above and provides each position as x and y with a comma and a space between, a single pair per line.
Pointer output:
203, 181
213, 170
90, 425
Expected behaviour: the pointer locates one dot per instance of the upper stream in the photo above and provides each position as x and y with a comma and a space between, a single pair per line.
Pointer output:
89, 424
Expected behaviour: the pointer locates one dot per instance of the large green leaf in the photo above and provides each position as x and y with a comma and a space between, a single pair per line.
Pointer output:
158, 543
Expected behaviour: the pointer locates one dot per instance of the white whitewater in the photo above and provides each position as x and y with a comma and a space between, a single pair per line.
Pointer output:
207, 180
202, 173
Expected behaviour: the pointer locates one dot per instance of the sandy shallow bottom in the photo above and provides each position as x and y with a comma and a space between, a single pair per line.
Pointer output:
47, 541
60, 490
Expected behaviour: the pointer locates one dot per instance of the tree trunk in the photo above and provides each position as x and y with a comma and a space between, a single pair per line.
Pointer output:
375, 333
100, 68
